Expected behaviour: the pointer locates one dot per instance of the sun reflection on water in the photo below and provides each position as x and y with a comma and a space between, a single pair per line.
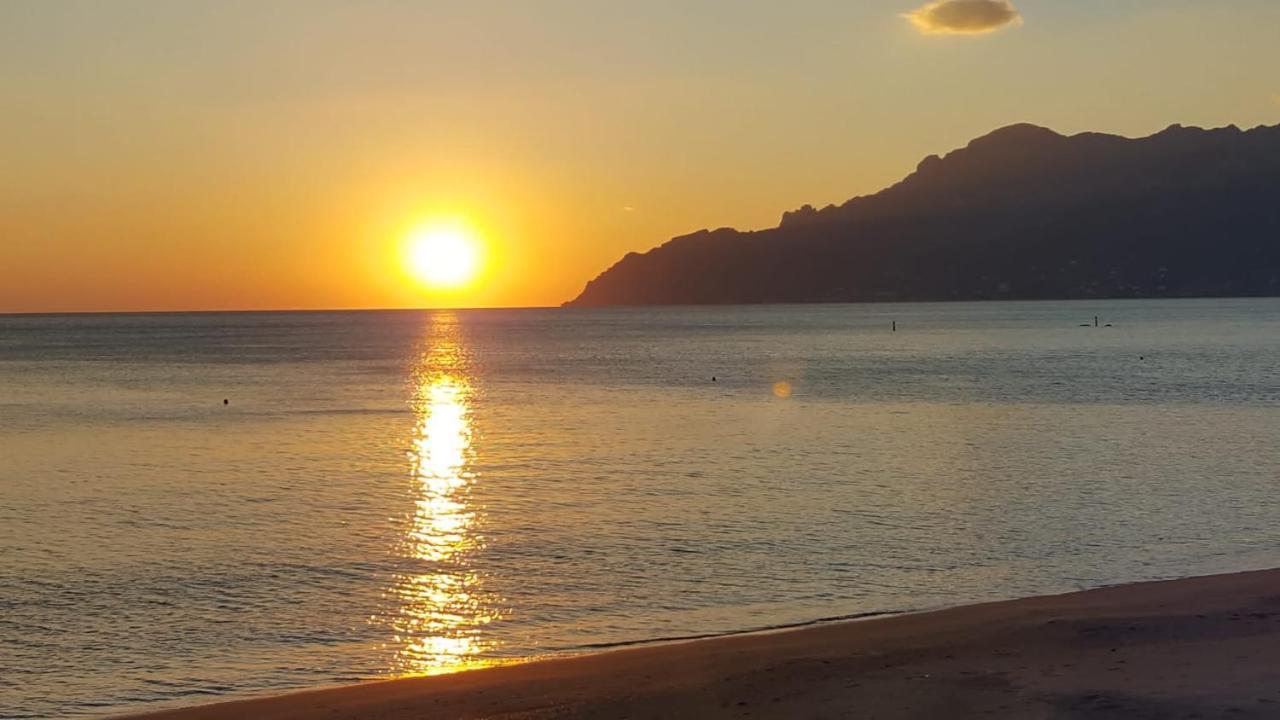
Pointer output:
442, 608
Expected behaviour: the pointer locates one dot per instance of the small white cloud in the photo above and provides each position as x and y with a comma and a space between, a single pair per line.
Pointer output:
964, 17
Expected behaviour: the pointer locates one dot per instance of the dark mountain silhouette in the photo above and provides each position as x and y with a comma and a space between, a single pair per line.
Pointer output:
1022, 213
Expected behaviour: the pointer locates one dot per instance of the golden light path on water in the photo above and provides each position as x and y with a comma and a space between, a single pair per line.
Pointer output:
442, 610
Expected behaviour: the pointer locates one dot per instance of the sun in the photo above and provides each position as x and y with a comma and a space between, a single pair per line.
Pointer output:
442, 256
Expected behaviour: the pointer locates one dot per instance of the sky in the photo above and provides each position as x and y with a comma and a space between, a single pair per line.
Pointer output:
275, 154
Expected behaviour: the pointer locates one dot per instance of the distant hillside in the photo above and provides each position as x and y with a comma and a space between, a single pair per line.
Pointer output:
1021, 213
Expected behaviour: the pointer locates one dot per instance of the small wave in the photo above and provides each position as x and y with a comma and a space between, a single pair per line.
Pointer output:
747, 631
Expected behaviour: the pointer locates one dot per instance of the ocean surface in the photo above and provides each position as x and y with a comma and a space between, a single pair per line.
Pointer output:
398, 493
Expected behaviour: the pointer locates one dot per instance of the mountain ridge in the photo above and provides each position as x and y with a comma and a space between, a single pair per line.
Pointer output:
1022, 212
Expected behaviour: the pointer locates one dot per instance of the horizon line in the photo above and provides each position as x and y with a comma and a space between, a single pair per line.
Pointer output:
6, 314
213, 311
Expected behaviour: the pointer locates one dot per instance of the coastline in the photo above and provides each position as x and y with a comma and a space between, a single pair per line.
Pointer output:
1196, 647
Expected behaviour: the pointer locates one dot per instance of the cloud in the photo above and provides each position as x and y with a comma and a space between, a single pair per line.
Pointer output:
964, 17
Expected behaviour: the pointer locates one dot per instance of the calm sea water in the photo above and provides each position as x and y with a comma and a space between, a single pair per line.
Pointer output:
392, 493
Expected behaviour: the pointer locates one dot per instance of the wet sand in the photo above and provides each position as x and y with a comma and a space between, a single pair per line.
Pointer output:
1197, 648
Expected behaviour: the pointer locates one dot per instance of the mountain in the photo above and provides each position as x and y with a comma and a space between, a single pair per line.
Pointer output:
1021, 213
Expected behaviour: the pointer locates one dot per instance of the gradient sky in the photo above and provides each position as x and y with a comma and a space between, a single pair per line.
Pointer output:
253, 154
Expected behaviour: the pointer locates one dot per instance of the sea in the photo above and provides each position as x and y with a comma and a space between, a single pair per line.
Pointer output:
216, 505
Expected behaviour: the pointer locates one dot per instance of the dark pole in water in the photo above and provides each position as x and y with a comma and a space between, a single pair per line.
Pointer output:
1095, 321
895, 326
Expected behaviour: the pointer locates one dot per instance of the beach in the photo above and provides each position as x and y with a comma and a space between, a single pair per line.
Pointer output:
600, 359
1202, 647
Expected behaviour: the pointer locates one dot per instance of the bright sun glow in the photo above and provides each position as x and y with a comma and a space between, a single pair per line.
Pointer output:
442, 256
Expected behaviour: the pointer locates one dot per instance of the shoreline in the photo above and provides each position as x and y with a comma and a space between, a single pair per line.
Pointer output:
1196, 647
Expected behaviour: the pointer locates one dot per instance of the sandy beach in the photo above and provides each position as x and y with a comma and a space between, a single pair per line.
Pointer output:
1195, 648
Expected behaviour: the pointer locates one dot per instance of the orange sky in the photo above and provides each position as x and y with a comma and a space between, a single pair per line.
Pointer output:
232, 154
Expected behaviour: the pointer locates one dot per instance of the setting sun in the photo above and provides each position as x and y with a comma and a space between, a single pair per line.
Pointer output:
442, 256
